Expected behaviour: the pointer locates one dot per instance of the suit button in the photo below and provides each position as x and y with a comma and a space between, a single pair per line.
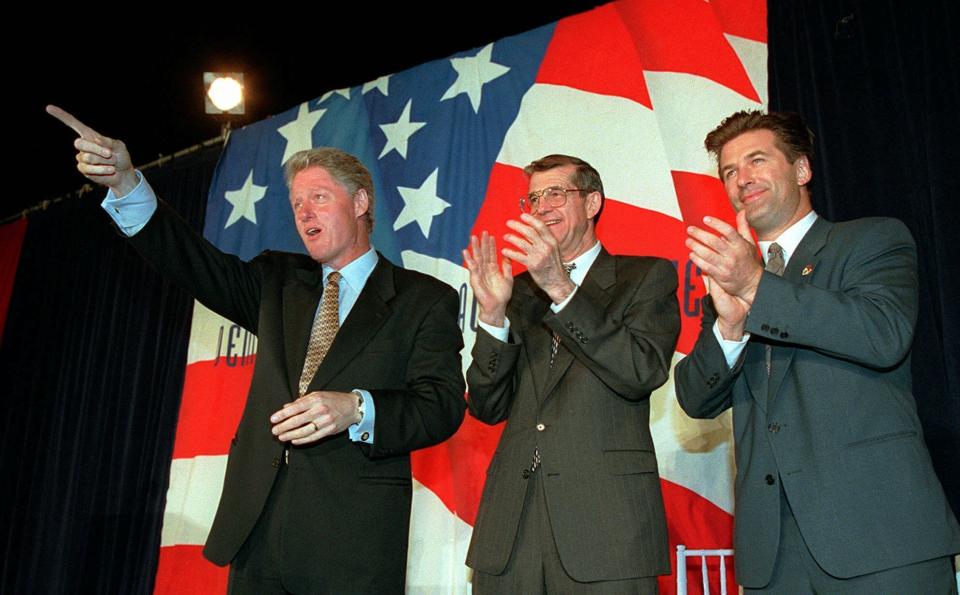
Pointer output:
764, 327
784, 335
774, 428
774, 330
770, 480
525, 473
541, 427
276, 462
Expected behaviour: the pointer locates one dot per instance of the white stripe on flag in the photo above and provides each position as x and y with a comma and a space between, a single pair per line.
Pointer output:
456, 277
753, 55
619, 137
684, 124
192, 498
694, 453
206, 344
438, 546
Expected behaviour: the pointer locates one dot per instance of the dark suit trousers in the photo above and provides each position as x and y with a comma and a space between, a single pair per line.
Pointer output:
534, 567
796, 572
265, 565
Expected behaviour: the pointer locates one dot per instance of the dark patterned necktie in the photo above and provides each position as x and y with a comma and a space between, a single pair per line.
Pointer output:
776, 266
325, 326
555, 345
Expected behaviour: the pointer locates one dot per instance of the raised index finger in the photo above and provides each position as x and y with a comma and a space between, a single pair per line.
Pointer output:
67, 118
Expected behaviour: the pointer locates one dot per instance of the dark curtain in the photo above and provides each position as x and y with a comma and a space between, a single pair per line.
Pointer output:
93, 362
94, 350
878, 83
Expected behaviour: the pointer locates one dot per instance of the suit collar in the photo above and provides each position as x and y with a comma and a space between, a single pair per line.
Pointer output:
808, 250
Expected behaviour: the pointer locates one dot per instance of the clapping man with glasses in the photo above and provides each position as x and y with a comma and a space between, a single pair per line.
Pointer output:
568, 354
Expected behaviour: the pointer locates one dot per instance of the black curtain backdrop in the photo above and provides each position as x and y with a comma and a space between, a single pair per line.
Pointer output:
94, 350
879, 84
93, 362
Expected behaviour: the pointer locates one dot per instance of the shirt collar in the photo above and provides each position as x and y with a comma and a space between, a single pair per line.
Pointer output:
790, 238
583, 263
357, 271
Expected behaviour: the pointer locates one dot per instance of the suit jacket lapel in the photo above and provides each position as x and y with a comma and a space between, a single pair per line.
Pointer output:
755, 371
799, 270
366, 317
301, 295
603, 276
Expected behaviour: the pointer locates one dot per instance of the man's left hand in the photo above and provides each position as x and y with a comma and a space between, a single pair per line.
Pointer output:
537, 249
314, 416
730, 259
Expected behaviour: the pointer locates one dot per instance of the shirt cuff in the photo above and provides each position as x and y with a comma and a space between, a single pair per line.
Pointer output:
500, 333
132, 211
731, 349
557, 307
363, 431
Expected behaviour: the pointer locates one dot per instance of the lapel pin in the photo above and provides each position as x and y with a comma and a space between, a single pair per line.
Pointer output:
806, 270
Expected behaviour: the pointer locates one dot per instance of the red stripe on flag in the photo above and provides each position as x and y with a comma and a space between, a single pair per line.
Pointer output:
213, 400
699, 196
456, 469
685, 36
595, 52
183, 569
502, 202
743, 18
697, 523
626, 229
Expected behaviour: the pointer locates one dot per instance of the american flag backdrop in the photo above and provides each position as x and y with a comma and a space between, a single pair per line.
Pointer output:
632, 87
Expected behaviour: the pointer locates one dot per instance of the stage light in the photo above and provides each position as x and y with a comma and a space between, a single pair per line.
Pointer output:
224, 92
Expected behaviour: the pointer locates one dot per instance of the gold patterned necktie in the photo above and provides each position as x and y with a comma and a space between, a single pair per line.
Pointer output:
325, 326
775, 265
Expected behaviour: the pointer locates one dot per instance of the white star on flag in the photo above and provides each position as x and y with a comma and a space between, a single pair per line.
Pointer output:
381, 84
472, 74
398, 134
299, 132
244, 201
421, 205
344, 91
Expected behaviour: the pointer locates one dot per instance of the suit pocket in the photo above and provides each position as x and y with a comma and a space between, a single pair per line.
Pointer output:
385, 480
886, 437
629, 462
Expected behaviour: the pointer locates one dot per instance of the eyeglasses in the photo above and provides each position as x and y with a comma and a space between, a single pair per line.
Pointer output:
554, 196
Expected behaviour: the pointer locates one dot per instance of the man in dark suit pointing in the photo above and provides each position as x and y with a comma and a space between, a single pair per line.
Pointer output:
568, 354
358, 364
835, 491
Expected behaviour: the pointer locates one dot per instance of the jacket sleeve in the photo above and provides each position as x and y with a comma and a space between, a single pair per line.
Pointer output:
429, 408
702, 379
869, 319
221, 282
491, 378
629, 343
